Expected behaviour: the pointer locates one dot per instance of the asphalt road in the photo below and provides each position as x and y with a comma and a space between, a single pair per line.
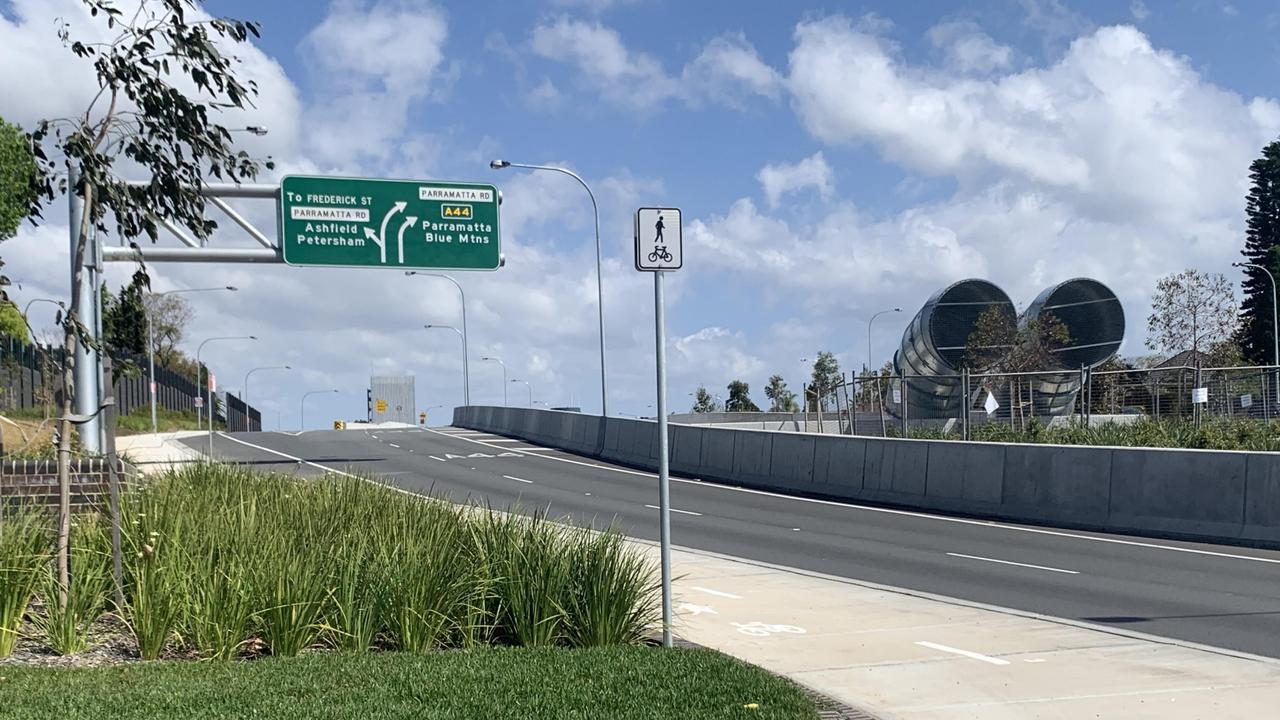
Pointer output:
1221, 596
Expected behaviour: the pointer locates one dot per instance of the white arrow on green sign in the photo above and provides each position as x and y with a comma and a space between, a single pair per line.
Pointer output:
354, 222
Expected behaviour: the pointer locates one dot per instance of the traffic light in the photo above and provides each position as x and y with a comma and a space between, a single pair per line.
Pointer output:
369, 399
422, 418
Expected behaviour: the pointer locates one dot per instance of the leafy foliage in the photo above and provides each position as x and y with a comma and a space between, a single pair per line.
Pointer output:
740, 398
825, 379
1262, 236
780, 398
124, 319
170, 315
703, 402
1191, 310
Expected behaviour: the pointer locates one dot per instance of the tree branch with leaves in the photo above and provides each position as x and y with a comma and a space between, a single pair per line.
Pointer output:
162, 80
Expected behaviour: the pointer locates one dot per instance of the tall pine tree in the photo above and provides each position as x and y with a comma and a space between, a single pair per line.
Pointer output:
1261, 238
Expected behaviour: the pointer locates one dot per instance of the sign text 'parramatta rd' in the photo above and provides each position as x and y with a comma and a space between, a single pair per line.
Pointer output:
351, 222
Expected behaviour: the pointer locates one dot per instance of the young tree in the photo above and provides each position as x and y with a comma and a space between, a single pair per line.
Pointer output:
781, 399
170, 315
703, 402
1262, 236
1191, 310
161, 81
826, 378
1000, 344
740, 398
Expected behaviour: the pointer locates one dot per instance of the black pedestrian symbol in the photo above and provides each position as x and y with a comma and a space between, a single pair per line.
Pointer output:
658, 226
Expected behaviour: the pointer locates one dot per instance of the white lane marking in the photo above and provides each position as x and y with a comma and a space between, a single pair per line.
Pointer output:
286, 432
717, 593
492, 440
965, 653
908, 513
1007, 562
1034, 660
682, 512
433, 457
512, 477
394, 445
326, 468
695, 610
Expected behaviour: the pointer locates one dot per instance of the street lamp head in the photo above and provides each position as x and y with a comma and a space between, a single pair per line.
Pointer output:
253, 337
1239, 264
897, 309
256, 130
288, 367
499, 164
232, 288
408, 273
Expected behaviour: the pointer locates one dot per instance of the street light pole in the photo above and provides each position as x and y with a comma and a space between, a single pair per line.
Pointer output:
871, 368
466, 396
466, 374
209, 390
526, 384
302, 407
426, 420
604, 392
504, 377
151, 349
246, 388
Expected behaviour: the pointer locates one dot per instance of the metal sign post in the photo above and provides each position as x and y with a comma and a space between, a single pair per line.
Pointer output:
659, 241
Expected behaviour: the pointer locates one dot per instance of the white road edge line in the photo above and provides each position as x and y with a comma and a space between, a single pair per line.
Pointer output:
1008, 562
907, 513
965, 653
717, 593
433, 457
682, 512
319, 466
512, 477
394, 445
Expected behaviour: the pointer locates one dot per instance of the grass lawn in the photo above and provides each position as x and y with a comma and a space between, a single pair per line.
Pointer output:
139, 421
615, 682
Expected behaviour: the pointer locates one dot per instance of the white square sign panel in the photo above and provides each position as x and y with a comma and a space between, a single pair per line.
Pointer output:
659, 240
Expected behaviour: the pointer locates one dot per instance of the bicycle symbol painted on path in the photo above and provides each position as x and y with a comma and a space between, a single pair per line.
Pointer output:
759, 629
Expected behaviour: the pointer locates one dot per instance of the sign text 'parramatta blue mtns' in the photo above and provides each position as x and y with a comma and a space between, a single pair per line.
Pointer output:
352, 222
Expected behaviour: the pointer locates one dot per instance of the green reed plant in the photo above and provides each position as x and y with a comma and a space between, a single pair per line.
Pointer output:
25, 539
529, 560
66, 629
615, 592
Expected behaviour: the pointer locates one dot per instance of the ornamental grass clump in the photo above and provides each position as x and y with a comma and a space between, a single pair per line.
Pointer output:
65, 629
223, 561
25, 546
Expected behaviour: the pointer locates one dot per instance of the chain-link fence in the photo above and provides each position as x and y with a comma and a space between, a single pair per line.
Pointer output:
952, 405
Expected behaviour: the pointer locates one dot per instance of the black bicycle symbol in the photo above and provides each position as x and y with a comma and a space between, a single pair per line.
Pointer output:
660, 253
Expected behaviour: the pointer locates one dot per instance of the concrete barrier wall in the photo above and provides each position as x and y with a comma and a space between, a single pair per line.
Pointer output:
1214, 495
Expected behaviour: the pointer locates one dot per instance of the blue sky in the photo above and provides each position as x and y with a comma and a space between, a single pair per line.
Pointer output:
831, 159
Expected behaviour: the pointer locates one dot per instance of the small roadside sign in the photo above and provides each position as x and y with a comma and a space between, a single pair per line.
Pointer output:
659, 239
897, 395
1200, 395
198, 402
213, 382
1246, 400
380, 406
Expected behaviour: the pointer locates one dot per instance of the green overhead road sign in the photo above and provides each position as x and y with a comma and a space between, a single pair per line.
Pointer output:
353, 222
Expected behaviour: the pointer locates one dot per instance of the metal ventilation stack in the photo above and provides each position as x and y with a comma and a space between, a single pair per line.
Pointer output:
1094, 320
933, 346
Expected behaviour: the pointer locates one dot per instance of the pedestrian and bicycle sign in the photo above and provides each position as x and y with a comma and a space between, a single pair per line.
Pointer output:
659, 241
354, 222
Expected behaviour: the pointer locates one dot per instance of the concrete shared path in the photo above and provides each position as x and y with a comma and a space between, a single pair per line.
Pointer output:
907, 614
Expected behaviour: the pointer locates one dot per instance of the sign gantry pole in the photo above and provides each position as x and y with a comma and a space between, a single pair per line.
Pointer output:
659, 242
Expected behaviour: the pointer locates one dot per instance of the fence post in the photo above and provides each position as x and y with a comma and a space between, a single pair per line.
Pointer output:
964, 405
902, 404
